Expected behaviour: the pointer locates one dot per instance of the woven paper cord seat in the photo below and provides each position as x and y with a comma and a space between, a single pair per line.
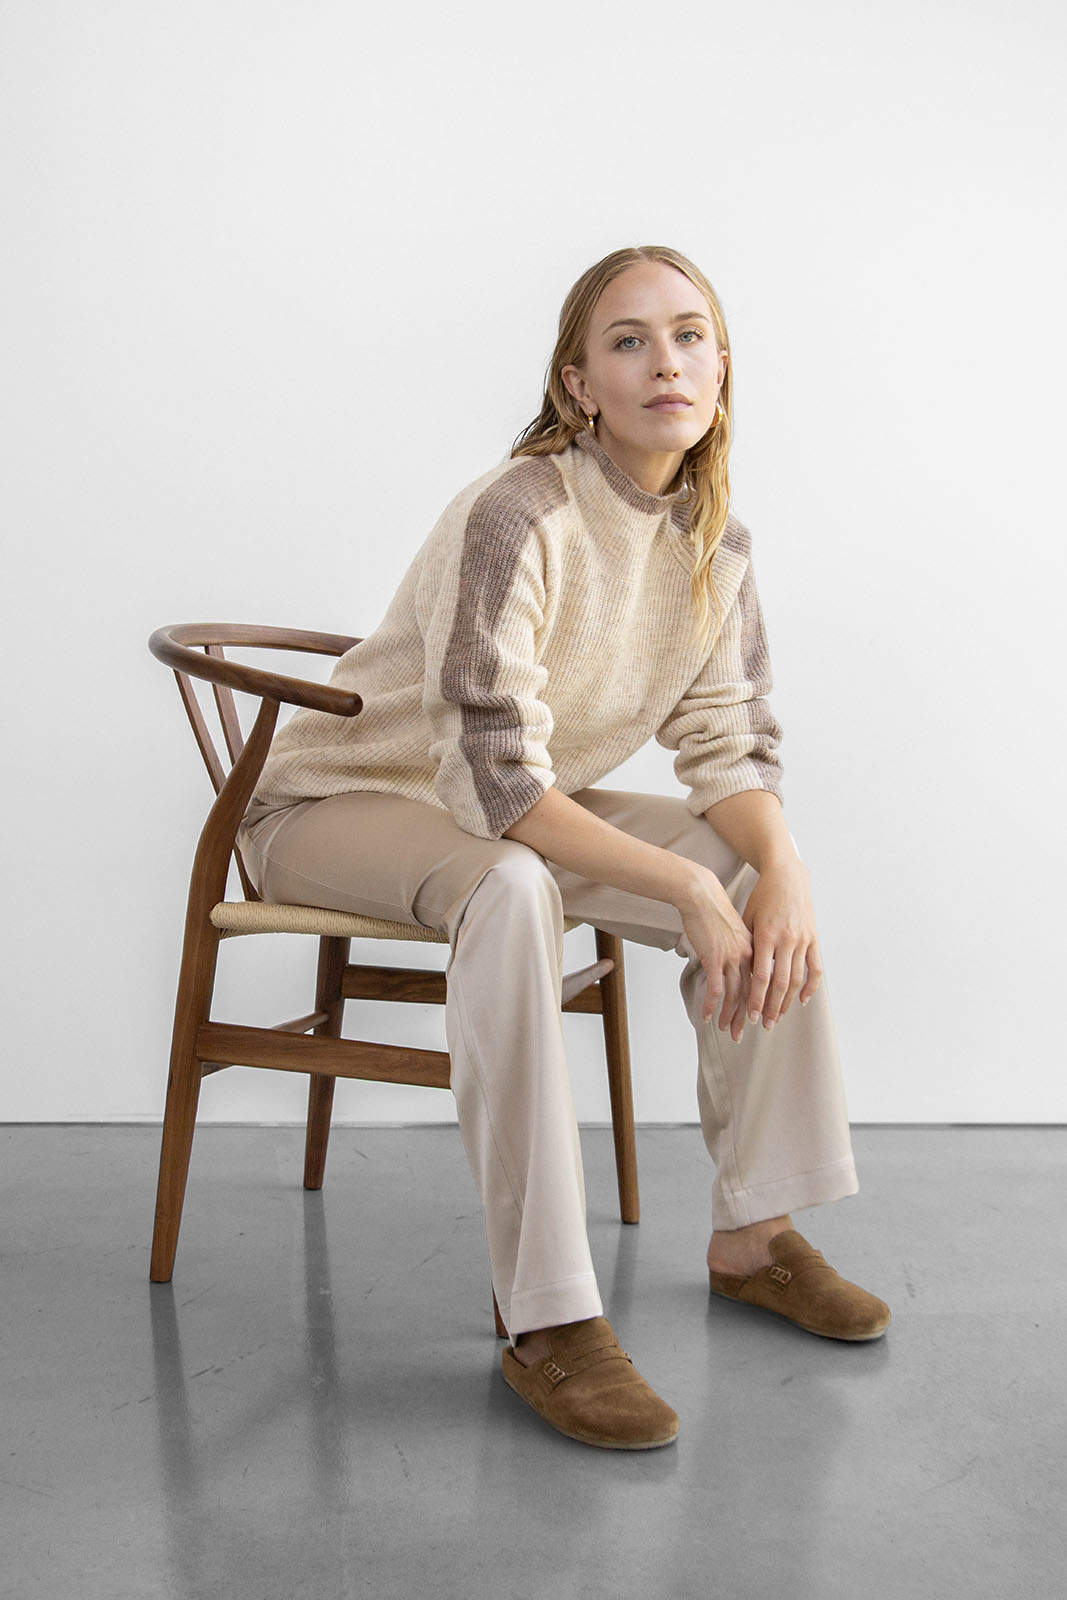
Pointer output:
256, 916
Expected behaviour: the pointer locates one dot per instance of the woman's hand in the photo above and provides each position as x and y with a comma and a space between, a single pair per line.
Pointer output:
723, 944
780, 916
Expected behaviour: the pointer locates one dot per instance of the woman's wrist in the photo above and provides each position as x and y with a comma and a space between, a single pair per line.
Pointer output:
779, 858
752, 823
694, 886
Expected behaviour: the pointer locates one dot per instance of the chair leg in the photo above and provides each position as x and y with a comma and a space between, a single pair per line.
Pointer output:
195, 984
617, 1047
333, 958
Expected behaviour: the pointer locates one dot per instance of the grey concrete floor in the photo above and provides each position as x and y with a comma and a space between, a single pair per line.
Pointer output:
314, 1406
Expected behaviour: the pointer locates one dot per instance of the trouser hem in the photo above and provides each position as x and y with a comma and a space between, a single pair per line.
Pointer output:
757, 1202
569, 1300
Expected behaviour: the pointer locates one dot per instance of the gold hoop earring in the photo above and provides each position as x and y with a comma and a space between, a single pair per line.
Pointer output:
719, 412
590, 423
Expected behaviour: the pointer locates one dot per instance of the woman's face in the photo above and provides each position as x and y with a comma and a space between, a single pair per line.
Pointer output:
651, 333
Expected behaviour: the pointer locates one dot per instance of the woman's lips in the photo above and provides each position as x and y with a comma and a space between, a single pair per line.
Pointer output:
669, 405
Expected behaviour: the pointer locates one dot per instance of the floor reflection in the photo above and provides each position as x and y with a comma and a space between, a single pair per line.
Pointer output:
203, 1452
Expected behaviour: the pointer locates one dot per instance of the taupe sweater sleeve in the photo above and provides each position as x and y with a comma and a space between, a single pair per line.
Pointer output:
484, 694
722, 727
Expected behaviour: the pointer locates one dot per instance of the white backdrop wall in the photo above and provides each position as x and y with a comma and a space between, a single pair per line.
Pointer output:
281, 278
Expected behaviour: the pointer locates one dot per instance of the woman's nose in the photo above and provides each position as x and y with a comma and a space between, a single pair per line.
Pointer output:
665, 363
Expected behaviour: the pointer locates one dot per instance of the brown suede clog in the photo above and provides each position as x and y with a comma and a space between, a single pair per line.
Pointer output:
590, 1390
802, 1286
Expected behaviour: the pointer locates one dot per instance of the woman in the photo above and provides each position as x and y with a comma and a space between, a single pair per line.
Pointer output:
586, 594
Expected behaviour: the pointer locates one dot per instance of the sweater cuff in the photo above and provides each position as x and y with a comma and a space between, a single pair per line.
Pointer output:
494, 815
753, 775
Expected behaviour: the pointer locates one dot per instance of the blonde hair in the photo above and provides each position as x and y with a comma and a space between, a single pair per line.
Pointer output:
704, 465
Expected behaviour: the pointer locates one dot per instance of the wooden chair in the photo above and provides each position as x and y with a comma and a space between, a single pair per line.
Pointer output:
312, 1043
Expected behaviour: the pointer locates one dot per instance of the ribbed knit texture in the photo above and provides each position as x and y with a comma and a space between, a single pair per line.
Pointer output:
541, 635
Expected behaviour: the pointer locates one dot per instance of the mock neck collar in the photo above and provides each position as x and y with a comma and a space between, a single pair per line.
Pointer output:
621, 482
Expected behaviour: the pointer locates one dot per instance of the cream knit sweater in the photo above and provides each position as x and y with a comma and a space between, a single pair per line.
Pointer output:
541, 635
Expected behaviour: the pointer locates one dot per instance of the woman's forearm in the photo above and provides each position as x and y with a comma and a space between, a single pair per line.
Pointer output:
561, 830
753, 824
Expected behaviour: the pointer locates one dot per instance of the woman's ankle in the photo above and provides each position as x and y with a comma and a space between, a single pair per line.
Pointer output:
745, 1250
532, 1346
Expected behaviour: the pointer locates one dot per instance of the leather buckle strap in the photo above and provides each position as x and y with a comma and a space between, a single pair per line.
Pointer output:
551, 1374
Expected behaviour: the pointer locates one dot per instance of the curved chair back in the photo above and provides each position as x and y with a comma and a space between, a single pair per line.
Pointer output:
178, 646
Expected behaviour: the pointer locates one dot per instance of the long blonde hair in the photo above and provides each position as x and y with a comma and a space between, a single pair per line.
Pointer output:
704, 466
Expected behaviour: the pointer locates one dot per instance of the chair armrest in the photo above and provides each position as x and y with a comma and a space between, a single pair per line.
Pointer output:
174, 644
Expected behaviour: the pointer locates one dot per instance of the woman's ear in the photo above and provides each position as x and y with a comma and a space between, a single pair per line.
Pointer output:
575, 385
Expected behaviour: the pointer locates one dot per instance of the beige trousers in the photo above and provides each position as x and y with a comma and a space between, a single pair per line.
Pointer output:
772, 1107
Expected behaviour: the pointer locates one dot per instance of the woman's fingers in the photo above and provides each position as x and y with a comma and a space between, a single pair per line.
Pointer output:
791, 963
732, 1017
713, 990
728, 984
814, 972
796, 979
762, 973
764, 992
779, 985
